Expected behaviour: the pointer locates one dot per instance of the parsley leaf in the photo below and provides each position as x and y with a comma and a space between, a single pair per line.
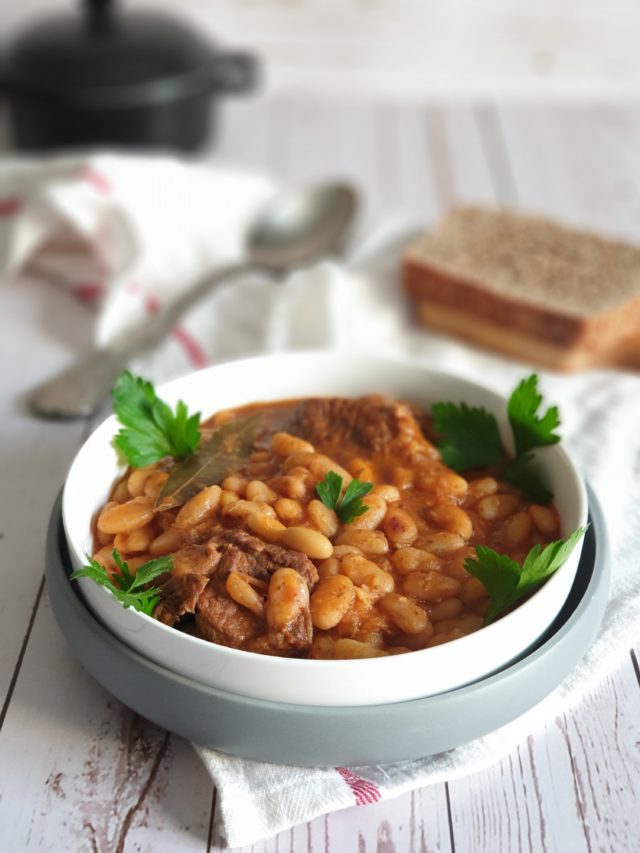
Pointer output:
507, 582
129, 589
524, 474
151, 430
530, 430
329, 489
350, 506
500, 576
469, 436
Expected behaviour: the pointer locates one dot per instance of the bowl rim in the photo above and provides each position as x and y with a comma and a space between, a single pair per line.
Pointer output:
167, 389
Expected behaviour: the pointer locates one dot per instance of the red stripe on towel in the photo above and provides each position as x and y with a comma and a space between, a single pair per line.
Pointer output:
89, 291
97, 179
364, 792
10, 205
190, 345
151, 303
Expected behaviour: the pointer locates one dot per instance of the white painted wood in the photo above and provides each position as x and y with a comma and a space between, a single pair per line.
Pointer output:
305, 140
454, 133
509, 803
82, 772
412, 48
577, 164
410, 161
34, 455
602, 740
572, 786
244, 135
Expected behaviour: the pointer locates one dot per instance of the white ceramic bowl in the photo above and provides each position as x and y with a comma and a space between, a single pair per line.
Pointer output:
316, 682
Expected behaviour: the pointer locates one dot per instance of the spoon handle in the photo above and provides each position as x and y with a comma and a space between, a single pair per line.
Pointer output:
80, 389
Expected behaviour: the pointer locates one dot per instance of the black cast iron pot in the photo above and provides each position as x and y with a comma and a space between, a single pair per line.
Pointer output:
116, 79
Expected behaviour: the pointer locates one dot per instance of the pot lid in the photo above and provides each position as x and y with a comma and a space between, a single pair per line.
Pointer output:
105, 59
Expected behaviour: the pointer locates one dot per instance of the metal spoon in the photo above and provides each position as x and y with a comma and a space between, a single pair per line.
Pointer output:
294, 229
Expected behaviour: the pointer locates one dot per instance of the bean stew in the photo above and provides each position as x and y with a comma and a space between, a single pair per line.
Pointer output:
260, 563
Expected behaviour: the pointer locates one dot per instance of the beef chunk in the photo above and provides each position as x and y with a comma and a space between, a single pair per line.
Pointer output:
180, 595
244, 562
280, 558
241, 552
196, 560
219, 619
185, 590
180, 590
373, 423
241, 538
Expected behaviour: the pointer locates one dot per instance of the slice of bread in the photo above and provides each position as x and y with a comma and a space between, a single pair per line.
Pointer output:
528, 287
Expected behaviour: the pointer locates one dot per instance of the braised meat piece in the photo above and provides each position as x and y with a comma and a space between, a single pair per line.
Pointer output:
181, 589
196, 560
279, 557
219, 619
180, 595
238, 553
227, 551
246, 554
374, 423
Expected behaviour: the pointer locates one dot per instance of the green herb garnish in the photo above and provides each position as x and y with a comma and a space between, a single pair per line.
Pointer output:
151, 430
129, 588
349, 506
523, 473
507, 582
470, 438
528, 429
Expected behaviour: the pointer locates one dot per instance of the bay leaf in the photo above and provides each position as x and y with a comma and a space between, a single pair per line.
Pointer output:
226, 450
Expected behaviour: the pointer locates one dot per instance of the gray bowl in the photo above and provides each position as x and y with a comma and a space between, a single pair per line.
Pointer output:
309, 735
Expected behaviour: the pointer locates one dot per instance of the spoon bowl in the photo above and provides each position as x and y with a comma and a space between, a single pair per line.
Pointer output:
298, 227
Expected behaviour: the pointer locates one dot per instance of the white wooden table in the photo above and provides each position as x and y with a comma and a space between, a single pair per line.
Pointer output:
78, 771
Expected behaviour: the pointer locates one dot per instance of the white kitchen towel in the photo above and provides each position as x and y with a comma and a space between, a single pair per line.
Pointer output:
127, 233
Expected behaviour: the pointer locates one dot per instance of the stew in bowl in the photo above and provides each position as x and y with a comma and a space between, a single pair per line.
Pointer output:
323, 534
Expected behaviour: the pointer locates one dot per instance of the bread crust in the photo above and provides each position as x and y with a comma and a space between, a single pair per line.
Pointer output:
452, 300
471, 299
523, 346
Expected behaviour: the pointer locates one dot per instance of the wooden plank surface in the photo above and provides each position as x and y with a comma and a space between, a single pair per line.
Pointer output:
80, 772
30, 473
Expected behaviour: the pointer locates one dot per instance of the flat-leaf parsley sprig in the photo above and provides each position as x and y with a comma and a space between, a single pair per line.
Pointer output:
348, 507
130, 589
530, 430
151, 430
507, 582
470, 438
